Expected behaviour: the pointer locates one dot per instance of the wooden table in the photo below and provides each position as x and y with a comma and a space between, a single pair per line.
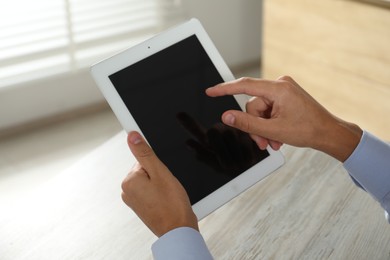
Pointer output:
308, 209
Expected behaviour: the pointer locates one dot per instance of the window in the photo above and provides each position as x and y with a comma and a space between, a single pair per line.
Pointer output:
46, 37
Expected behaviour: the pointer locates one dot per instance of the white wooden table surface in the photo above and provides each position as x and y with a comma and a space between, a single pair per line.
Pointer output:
308, 209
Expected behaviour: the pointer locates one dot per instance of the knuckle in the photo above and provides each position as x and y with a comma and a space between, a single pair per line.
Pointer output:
286, 85
243, 123
246, 84
124, 197
248, 126
250, 104
130, 181
245, 80
126, 184
145, 152
247, 106
285, 78
134, 180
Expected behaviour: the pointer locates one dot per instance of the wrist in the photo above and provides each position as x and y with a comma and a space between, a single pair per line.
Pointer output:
187, 221
339, 139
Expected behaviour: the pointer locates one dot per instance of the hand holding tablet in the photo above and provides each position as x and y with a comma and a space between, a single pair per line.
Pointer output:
164, 205
157, 88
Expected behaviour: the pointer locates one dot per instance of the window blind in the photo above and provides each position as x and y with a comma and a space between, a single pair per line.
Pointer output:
45, 37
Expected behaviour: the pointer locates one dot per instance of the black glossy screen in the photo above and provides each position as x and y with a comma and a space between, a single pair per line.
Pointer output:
165, 93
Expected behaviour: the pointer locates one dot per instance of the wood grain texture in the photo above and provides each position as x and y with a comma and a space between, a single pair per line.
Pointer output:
338, 50
308, 209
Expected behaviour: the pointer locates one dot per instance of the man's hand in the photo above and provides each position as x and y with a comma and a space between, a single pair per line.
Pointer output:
154, 194
282, 112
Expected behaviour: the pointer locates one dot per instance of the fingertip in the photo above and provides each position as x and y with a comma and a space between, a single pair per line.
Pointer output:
261, 142
134, 138
216, 90
228, 118
275, 145
141, 150
210, 91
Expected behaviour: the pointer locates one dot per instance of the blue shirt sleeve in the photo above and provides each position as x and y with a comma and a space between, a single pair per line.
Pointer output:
181, 243
369, 167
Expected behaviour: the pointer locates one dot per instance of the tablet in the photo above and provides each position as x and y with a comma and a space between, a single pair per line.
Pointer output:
158, 89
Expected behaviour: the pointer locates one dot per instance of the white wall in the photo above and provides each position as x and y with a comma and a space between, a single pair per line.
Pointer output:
233, 25
47, 97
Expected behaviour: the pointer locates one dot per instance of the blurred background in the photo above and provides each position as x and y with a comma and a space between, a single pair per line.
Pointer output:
52, 114
47, 46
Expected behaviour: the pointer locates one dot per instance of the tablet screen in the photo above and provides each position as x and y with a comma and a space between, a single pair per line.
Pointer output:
166, 96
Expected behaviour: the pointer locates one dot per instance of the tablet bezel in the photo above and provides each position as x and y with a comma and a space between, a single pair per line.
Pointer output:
102, 70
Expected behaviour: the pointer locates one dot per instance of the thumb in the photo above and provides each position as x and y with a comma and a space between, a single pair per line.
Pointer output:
143, 153
250, 124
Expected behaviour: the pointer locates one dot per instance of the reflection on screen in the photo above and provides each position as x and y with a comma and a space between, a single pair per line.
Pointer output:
166, 96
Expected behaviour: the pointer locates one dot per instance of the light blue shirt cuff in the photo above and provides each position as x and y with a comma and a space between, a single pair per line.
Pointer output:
181, 243
369, 166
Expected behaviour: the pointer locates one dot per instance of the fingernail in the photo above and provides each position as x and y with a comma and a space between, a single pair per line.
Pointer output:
229, 119
135, 138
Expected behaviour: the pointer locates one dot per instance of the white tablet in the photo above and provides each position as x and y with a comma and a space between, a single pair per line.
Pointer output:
158, 89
